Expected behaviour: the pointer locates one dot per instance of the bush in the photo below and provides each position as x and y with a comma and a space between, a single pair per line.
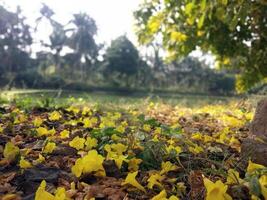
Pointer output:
28, 79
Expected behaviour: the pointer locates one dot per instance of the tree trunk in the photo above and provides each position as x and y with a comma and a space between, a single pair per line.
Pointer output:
255, 146
259, 123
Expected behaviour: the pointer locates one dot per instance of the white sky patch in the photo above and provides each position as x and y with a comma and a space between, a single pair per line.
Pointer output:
113, 17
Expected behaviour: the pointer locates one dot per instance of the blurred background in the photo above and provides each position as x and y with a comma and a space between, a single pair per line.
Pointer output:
92, 46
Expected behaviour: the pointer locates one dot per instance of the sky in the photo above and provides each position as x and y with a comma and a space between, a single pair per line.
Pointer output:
113, 17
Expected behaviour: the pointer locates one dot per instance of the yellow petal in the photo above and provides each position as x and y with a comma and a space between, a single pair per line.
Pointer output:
130, 179
10, 151
24, 164
49, 147
253, 166
161, 196
77, 143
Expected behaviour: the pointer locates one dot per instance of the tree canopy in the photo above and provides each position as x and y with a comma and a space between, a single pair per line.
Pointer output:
122, 56
234, 31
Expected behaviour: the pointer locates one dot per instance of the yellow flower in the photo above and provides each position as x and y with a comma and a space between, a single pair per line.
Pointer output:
216, 190
120, 129
233, 177
42, 131
49, 147
196, 136
119, 148
130, 179
166, 167
86, 110
263, 184
54, 116
173, 198
161, 196
177, 149
10, 151
40, 158
61, 194
115, 152
24, 164
37, 122
133, 164
90, 123
73, 109
77, 143
114, 137
207, 138
41, 194
1, 128
64, 134
178, 36
90, 143
92, 162
196, 149
253, 167
77, 169
157, 130
147, 127
155, 179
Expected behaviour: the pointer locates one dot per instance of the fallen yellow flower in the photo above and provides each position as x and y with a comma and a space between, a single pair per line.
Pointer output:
216, 190
253, 167
130, 179
10, 151
49, 147
24, 164
77, 143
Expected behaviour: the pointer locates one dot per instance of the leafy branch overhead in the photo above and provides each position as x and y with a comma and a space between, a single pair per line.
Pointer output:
234, 31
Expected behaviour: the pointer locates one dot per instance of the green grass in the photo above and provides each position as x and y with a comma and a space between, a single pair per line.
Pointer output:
54, 98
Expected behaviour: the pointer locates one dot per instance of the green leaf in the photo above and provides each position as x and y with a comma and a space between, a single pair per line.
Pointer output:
220, 13
203, 5
188, 8
233, 23
224, 2
254, 186
201, 20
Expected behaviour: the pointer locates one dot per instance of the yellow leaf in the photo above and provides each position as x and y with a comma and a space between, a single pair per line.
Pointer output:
10, 151
24, 164
130, 179
49, 147
77, 143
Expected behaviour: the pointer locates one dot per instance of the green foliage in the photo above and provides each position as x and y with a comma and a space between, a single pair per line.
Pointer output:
15, 37
235, 31
122, 56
